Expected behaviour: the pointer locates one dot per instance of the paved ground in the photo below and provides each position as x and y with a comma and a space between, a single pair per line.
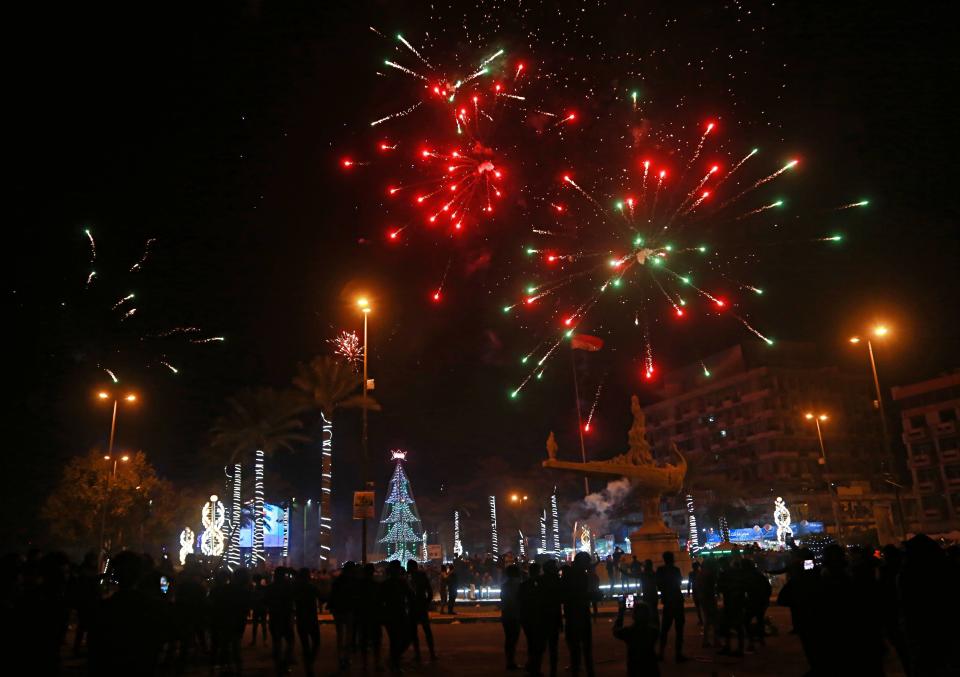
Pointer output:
472, 645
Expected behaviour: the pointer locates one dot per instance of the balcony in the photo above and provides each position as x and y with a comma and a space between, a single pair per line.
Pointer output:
915, 435
928, 487
920, 460
950, 455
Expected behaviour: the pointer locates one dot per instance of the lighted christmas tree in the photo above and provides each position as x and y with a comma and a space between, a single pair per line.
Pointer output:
400, 524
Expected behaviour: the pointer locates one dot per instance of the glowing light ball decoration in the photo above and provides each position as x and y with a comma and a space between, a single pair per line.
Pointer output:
187, 539
781, 517
212, 516
457, 543
494, 540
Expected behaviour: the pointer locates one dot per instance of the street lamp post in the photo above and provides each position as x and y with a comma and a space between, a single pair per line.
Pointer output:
103, 396
303, 547
817, 418
878, 331
365, 307
517, 500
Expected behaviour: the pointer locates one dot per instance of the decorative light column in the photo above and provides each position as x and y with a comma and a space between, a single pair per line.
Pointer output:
543, 532
212, 517
236, 520
555, 511
494, 544
187, 539
457, 543
259, 554
326, 489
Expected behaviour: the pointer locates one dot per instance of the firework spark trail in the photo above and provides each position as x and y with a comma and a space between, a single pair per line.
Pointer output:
376, 31
593, 201
536, 372
93, 245
143, 259
90, 277
656, 194
676, 309
760, 182
518, 98
119, 303
706, 372
169, 366
406, 70
483, 64
758, 210
130, 313
411, 48
593, 407
643, 189
736, 167
696, 153
753, 329
111, 375
443, 281
690, 195
862, 203
175, 331
398, 114
698, 202
211, 339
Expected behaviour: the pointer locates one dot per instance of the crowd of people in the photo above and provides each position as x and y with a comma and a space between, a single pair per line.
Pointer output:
142, 617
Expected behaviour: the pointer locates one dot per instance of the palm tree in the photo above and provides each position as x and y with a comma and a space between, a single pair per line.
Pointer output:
264, 421
327, 385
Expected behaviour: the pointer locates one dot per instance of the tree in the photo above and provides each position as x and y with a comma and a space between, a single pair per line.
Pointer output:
328, 384
400, 527
262, 422
134, 503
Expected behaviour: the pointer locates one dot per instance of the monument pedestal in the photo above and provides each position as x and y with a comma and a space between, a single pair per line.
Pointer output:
652, 544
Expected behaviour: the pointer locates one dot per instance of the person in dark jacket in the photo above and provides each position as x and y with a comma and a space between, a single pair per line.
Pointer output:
307, 600
369, 616
640, 638
280, 607
342, 605
550, 613
510, 614
528, 598
669, 584
758, 600
580, 590
396, 596
420, 601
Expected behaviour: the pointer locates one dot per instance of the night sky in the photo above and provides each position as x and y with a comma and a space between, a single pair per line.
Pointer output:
219, 131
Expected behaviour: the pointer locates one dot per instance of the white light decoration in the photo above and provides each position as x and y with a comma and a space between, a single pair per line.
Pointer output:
543, 532
781, 516
494, 544
258, 554
187, 539
693, 539
398, 455
724, 529
555, 513
326, 488
212, 517
286, 532
523, 548
584, 539
236, 520
424, 553
457, 544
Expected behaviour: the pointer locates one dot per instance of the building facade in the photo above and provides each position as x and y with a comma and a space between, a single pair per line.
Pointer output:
739, 417
928, 414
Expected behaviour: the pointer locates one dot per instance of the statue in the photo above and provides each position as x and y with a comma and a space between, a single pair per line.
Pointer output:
648, 480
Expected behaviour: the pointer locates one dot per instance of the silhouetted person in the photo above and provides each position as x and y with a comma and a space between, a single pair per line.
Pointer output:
891, 608
528, 598
280, 607
258, 608
510, 614
732, 587
758, 600
124, 637
928, 587
307, 601
84, 595
550, 613
640, 638
189, 609
342, 605
800, 594
648, 587
221, 619
396, 597
420, 601
580, 590
452, 580
692, 590
669, 584
705, 590
369, 615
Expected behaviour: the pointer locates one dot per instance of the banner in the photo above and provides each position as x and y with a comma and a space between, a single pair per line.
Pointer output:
363, 505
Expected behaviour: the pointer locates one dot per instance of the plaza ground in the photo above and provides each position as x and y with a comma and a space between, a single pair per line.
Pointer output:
471, 644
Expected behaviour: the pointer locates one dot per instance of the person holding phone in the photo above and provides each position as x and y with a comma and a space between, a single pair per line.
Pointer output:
640, 637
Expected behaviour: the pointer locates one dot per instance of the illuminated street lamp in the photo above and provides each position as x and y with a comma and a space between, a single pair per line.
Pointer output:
818, 419
878, 331
364, 304
103, 396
